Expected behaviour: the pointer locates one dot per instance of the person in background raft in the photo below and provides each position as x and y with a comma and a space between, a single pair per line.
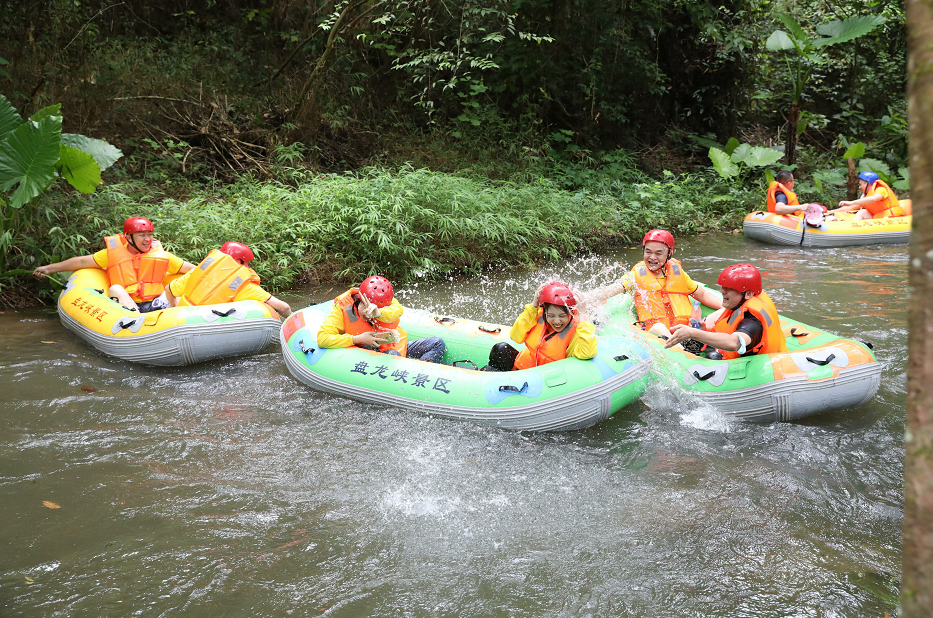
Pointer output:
135, 263
550, 329
781, 199
224, 276
878, 199
660, 287
368, 317
748, 323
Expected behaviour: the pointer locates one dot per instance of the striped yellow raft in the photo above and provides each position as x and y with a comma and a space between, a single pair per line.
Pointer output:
176, 336
785, 230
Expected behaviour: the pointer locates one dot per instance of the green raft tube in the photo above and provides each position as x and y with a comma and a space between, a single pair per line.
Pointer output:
560, 396
819, 373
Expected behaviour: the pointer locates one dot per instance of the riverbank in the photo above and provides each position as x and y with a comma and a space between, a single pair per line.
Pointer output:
404, 223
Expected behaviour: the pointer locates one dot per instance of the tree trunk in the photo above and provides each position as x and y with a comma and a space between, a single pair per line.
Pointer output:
790, 145
917, 580
852, 186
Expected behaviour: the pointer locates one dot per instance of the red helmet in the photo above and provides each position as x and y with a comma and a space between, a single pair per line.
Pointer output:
137, 224
238, 251
741, 277
661, 236
558, 293
378, 290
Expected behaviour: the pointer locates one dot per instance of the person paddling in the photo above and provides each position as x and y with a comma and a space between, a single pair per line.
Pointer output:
136, 266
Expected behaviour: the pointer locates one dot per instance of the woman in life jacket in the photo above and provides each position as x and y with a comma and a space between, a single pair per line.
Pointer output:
878, 199
748, 322
135, 263
551, 330
368, 317
224, 276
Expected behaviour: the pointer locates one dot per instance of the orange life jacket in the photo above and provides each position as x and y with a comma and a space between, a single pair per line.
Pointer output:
542, 347
668, 303
140, 273
217, 279
791, 198
887, 207
760, 306
355, 324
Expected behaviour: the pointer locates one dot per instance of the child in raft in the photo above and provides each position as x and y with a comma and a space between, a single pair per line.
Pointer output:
550, 329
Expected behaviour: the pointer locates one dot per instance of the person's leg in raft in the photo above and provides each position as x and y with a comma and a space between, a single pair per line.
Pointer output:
862, 214
501, 357
428, 349
118, 293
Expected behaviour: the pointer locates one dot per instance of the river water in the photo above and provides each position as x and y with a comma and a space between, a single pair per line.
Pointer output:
229, 489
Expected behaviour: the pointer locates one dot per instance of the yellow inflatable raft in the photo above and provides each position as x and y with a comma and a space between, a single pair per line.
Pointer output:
176, 336
844, 231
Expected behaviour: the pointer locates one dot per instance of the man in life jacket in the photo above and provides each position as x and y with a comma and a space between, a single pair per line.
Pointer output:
748, 323
550, 329
878, 199
136, 265
781, 199
661, 288
368, 317
224, 276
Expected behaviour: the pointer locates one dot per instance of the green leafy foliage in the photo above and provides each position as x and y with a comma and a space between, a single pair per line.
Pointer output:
104, 153
28, 157
79, 169
9, 118
723, 163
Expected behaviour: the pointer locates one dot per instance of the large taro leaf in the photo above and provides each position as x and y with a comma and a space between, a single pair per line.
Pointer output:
731, 145
28, 158
874, 165
756, 156
104, 153
723, 164
794, 26
79, 169
855, 151
740, 152
840, 31
779, 41
45, 112
9, 118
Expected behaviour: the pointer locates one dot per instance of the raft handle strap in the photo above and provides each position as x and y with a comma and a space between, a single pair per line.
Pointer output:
868, 344
224, 314
491, 331
819, 362
696, 374
444, 320
514, 389
620, 357
127, 325
301, 346
466, 360
794, 333
101, 292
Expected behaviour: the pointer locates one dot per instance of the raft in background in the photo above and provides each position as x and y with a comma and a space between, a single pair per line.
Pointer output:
559, 396
783, 230
176, 336
820, 373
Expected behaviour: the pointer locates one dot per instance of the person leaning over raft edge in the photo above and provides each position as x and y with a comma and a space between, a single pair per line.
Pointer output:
135, 263
550, 329
224, 276
368, 317
747, 324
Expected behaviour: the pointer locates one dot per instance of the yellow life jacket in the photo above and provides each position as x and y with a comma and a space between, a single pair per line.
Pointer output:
760, 306
887, 207
355, 324
545, 345
141, 274
668, 303
217, 279
791, 198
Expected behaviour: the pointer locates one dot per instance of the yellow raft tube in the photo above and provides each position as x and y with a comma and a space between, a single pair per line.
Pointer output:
844, 231
176, 336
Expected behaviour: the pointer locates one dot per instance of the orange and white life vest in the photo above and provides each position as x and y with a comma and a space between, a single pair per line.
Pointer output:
772, 202
668, 303
887, 207
760, 306
355, 324
217, 279
545, 345
140, 273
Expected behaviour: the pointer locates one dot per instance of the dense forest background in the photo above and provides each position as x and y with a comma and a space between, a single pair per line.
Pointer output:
615, 104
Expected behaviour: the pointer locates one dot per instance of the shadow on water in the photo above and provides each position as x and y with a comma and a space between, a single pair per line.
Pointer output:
230, 489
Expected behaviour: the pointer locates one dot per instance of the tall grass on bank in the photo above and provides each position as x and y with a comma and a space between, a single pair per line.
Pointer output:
405, 223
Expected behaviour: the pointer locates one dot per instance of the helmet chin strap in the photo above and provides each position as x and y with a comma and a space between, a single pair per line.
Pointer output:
132, 241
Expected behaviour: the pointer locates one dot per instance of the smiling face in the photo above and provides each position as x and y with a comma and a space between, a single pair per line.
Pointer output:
656, 254
731, 299
143, 240
556, 316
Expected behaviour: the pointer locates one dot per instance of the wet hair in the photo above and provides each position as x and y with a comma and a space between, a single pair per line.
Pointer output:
784, 176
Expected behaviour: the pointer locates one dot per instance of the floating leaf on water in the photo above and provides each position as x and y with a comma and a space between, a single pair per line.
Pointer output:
49, 342
50, 505
30, 580
88, 389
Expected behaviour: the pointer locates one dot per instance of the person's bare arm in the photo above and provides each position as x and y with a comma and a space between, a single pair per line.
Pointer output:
281, 307
71, 264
